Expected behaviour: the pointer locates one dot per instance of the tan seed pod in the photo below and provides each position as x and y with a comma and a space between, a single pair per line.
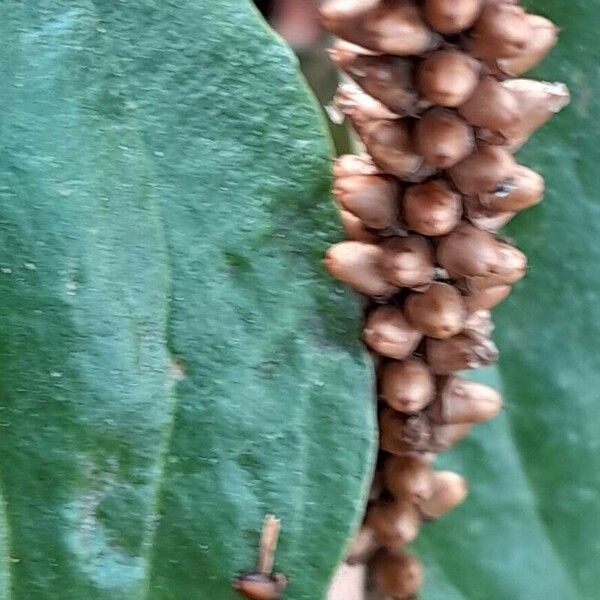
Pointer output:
387, 78
409, 478
372, 198
463, 351
407, 261
354, 164
464, 401
486, 297
447, 77
359, 107
407, 386
438, 312
397, 575
480, 321
390, 144
511, 265
484, 218
362, 547
450, 490
388, 333
395, 522
522, 189
432, 208
501, 31
355, 228
451, 16
544, 35
357, 265
443, 138
483, 170
468, 252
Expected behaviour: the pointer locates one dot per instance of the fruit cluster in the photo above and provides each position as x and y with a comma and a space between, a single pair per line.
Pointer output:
432, 95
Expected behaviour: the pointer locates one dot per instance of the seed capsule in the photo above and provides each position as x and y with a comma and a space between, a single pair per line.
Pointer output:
464, 401
485, 298
480, 321
432, 208
390, 144
407, 386
355, 228
395, 522
447, 77
357, 264
483, 170
353, 164
450, 491
524, 188
372, 198
443, 138
388, 333
511, 265
438, 312
484, 218
397, 575
364, 544
409, 478
463, 351
258, 586
544, 35
451, 16
387, 78
359, 107
502, 30
407, 261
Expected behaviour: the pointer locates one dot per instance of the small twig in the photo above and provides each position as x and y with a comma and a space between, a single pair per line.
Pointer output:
268, 544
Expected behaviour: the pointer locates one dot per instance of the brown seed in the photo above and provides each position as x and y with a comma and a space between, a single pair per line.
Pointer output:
372, 198
388, 333
464, 401
357, 264
438, 312
353, 164
402, 434
447, 77
258, 586
544, 35
463, 351
484, 218
390, 144
359, 107
355, 228
485, 298
451, 16
409, 478
397, 574
387, 78
364, 544
511, 265
432, 208
502, 30
468, 252
407, 386
450, 491
407, 261
483, 170
480, 321
443, 138
395, 522
522, 189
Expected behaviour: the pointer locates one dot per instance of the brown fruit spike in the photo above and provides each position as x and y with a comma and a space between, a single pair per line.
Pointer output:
388, 333
432, 208
443, 138
357, 264
409, 478
502, 31
397, 574
483, 171
450, 490
387, 78
407, 386
395, 523
438, 312
355, 228
451, 16
407, 261
464, 401
447, 77
544, 35
524, 188
463, 351
390, 144
372, 198
364, 544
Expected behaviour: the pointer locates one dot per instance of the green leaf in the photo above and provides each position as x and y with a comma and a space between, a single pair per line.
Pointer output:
531, 525
174, 362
